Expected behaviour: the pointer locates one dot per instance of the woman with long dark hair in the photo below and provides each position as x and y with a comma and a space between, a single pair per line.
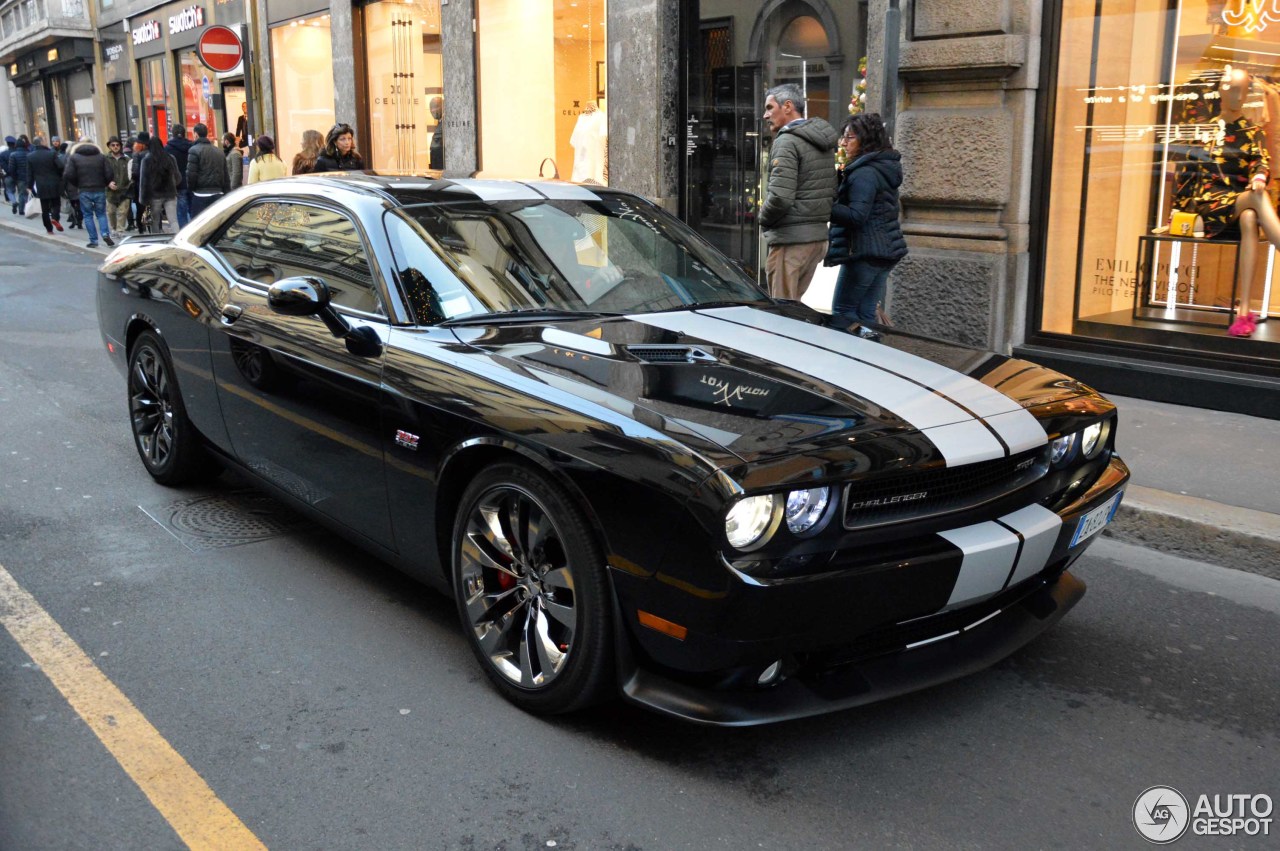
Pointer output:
158, 182
865, 238
304, 162
340, 152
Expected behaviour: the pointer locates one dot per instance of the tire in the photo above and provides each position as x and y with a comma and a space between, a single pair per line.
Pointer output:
167, 442
531, 590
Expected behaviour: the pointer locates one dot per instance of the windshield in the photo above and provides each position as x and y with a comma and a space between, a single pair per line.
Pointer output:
612, 254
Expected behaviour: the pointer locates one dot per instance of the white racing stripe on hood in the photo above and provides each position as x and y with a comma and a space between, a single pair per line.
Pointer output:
1017, 428
944, 423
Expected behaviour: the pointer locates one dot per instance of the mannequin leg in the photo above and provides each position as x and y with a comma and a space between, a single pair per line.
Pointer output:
1248, 256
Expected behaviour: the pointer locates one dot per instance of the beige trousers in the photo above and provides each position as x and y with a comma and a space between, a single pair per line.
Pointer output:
790, 268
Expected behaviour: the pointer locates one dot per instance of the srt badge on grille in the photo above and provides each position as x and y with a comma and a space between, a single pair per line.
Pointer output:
887, 500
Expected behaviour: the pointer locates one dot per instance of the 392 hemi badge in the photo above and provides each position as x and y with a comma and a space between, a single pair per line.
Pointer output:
407, 440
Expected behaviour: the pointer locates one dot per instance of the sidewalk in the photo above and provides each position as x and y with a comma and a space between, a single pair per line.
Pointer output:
1206, 485
76, 240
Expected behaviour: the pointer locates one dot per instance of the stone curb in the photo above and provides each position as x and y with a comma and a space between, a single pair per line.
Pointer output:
1194, 528
61, 240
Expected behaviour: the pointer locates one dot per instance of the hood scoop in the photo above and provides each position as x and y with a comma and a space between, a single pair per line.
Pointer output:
671, 354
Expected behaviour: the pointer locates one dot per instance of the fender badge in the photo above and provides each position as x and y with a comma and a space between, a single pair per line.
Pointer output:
407, 440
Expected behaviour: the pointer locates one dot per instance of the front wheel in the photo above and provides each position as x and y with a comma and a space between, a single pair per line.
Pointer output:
167, 442
530, 585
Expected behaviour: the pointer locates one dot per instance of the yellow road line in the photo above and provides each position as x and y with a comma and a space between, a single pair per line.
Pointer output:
200, 819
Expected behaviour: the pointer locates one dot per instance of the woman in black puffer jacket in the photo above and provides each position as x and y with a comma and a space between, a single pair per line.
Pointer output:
865, 238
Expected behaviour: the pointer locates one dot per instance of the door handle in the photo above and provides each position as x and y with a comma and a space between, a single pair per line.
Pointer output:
230, 313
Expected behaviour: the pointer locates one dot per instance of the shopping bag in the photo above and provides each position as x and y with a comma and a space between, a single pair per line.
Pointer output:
32, 210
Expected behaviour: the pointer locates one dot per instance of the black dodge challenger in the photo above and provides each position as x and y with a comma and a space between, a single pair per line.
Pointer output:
633, 471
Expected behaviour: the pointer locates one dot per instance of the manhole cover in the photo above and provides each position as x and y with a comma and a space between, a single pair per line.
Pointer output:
226, 520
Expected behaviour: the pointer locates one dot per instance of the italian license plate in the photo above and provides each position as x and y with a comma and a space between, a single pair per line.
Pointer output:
1093, 522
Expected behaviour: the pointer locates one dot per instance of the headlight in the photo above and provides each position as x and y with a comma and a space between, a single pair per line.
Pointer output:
1061, 449
1091, 440
805, 508
749, 519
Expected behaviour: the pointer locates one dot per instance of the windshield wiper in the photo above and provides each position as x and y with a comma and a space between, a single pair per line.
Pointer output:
526, 313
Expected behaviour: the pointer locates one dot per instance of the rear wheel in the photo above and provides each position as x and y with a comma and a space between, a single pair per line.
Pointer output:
530, 586
167, 442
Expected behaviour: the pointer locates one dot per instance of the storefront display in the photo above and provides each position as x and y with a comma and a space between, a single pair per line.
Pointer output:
405, 79
155, 96
196, 88
543, 89
1162, 226
302, 81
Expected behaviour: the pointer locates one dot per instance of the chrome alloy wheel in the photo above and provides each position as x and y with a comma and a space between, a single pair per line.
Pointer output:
518, 588
151, 407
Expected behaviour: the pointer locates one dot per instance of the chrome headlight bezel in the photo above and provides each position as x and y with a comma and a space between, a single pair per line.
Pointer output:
1062, 449
761, 515
1093, 439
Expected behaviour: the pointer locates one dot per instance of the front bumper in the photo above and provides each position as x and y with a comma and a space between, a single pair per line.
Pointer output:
871, 629
876, 679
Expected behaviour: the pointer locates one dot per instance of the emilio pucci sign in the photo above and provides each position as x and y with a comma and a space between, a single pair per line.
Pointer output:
1253, 15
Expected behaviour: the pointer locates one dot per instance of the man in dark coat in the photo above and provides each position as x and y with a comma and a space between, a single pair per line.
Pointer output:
46, 182
178, 148
802, 182
91, 175
140, 143
19, 171
10, 142
206, 171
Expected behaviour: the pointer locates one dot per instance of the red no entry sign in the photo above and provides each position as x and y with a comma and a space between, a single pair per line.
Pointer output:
219, 48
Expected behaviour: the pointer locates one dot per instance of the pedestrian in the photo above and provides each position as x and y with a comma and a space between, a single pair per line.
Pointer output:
435, 151
140, 144
119, 189
10, 185
71, 193
234, 160
20, 173
207, 179
179, 147
340, 152
158, 192
304, 162
266, 165
797, 202
90, 174
46, 183
866, 238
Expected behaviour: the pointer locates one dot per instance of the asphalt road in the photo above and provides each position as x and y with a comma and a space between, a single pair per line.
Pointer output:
330, 703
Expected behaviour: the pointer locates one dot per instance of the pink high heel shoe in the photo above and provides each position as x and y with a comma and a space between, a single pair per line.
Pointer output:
1244, 326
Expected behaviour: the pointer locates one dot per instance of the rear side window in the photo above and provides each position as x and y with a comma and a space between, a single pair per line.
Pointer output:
320, 243
242, 242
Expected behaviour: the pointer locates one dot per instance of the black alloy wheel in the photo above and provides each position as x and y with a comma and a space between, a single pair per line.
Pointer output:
166, 440
530, 584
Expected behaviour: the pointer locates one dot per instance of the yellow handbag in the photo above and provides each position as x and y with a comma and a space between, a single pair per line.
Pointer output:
1185, 224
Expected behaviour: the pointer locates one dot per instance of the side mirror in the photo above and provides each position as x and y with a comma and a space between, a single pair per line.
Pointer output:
310, 297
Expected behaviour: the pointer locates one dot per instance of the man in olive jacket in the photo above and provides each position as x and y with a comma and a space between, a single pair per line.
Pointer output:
120, 190
798, 197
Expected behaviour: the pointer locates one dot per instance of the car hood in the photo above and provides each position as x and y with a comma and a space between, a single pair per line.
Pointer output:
754, 384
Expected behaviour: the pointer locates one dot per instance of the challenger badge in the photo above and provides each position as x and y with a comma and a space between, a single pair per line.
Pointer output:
407, 440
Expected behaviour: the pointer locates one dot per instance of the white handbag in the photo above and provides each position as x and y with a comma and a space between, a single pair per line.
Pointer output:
32, 209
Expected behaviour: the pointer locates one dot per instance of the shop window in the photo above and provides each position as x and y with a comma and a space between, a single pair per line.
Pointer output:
155, 97
543, 89
1165, 115
302, 56
196, 87
406, 94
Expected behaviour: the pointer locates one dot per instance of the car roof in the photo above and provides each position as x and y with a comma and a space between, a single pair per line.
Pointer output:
409, 189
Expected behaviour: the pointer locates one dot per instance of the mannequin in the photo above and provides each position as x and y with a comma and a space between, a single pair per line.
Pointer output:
1233, 172
590, 135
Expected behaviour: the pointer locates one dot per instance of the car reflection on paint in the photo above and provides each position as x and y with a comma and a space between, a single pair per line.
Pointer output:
634, 472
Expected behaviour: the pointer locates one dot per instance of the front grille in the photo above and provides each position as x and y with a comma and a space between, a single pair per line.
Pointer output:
669, 354
912, 495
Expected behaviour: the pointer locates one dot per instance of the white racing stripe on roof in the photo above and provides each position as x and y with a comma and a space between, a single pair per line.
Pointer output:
565, 192
1018, 426
922, 409
499, 190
